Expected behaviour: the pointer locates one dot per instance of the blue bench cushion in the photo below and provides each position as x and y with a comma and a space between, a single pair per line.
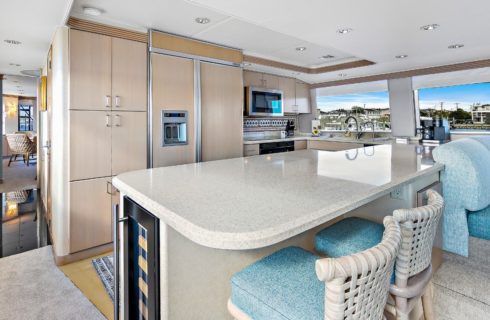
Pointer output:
348, 236
281, 286
479, 223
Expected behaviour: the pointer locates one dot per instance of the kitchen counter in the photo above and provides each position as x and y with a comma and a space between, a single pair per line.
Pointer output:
215, 218
247, 203
320, 138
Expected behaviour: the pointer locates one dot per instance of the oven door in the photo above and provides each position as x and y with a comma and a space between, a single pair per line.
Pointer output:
265, 102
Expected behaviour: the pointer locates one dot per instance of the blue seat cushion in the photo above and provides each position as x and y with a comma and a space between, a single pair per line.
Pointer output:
281, 286
348, 236
479, 223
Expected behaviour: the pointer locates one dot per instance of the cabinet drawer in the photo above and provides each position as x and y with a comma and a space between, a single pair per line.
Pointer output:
250, 150
300, 145
332, 145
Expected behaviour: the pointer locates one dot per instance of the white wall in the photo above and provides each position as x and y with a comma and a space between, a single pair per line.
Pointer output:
60, 188
402, 107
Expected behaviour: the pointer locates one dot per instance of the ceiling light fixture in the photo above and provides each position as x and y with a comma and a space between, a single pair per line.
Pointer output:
429, 27
327, 56
300, 48
14, 64
402, 56
342, 75
14, 42
202, 20
344, 30
247, 64
91, 11
456, 46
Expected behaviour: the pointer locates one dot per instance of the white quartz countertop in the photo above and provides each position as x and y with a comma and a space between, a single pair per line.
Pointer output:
253, 202
320, 138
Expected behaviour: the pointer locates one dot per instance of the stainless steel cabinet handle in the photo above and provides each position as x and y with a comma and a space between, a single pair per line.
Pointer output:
108, 121
107, 101
118, 120
117, 101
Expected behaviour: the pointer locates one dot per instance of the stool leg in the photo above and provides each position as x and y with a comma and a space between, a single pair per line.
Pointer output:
10, 160
427, 303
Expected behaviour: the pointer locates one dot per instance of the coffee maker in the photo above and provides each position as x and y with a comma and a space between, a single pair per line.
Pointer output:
434, 130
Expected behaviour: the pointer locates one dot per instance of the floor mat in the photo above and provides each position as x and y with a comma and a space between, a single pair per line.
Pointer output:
105, 269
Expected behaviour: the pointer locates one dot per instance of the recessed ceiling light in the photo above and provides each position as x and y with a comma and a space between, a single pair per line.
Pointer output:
202, 20
14, 64
344, 30
300, 48
456, 46
296, 73
327, 56
247, 64
401, 56
10, 41
91, 11
342, 75
429, 27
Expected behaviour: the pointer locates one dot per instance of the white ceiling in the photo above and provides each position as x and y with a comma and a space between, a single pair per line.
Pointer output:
33, 23
20, 86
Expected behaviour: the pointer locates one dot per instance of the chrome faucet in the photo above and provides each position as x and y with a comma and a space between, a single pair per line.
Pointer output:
359, 132
370, 123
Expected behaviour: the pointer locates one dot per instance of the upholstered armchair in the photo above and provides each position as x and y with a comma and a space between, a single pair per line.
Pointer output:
20, 144
466, 188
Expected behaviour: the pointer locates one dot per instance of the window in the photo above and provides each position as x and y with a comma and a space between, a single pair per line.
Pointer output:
365, 107
25, 116
467, 107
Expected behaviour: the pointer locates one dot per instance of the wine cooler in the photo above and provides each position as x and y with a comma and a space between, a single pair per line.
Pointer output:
140, 239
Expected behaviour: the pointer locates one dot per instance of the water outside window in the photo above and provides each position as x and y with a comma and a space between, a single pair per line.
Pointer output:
365, 107
467, 107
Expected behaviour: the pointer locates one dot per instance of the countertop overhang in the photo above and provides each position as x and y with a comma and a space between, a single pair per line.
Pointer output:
320, 138
254, 202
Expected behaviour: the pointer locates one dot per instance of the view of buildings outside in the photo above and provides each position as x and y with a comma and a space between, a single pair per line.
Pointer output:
465, 106
369, 108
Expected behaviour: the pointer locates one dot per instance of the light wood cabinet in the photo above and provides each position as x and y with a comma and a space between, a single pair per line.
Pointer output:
90, 213
251, 150
303, 97
221, 112
300, 145
129, 75
90, 144
288, 86
253, 79
270, 81
90, 71
332, 145
128, 141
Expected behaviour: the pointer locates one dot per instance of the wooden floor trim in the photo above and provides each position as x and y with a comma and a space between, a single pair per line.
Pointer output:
77, 256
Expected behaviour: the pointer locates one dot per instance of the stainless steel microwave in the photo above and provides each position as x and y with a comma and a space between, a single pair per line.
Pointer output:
264, 102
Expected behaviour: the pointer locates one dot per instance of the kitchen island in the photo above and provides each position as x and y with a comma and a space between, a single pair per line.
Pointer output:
214, 218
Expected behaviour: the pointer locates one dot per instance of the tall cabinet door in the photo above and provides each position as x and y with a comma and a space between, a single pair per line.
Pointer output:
90, 144
221, 112
129, 75
90, 71
128, 141
173, 89
90, 218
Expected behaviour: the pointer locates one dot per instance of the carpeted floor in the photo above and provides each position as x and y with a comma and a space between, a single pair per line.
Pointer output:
32, 287
18, 176
462, 285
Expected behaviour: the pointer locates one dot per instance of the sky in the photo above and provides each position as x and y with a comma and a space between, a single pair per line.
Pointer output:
464, 95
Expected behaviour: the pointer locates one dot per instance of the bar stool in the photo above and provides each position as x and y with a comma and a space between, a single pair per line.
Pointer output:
285, 286
413, 272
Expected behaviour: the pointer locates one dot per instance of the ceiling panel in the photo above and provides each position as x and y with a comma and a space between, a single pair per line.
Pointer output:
20, 86
33, 23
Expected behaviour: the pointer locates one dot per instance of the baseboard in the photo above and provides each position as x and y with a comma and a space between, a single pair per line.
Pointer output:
80, 255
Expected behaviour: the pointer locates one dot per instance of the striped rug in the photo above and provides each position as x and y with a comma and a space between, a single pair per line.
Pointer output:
105, 269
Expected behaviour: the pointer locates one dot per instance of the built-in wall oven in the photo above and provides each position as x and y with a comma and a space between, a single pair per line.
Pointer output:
264, 102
